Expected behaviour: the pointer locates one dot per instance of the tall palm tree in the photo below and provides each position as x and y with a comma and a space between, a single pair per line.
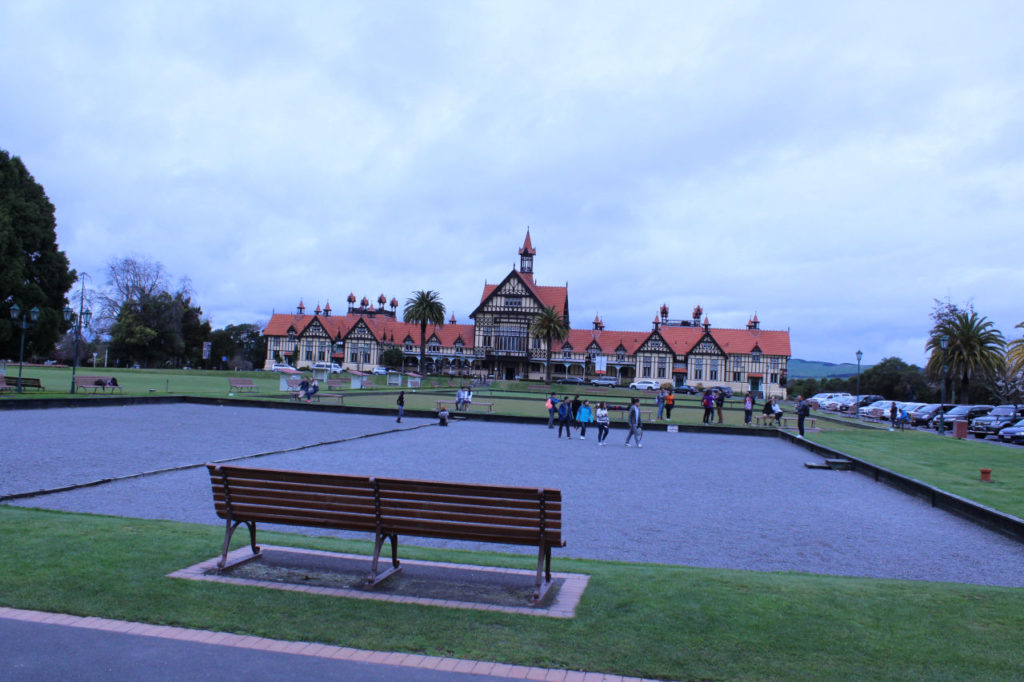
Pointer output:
425, 307
550, 326
1015, 353
974, 348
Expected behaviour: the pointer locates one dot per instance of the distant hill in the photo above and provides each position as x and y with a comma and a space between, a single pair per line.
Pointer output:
814, 369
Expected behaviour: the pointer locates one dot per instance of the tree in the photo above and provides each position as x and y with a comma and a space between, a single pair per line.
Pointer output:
425, 307
393, 357
1008, 384
34, 272
243, 345
551, 327
1015, 352
974, 347
147, 323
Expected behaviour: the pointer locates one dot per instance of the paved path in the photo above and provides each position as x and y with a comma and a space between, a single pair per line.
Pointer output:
46, 646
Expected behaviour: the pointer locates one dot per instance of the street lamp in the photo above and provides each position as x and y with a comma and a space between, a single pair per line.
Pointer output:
944, 344
82, 318
859, 356
25, 321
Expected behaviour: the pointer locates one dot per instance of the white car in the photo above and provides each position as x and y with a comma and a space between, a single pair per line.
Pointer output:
646, 385
331, 367
282, 367
380, 370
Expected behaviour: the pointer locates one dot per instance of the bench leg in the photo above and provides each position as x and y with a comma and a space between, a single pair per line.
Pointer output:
229, 530
378, 544
543, 572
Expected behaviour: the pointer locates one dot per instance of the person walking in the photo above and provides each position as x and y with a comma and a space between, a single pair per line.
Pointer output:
803, 408
670, 402
584, 417
748, 408
719, 403
576, 402
552, 405
603, 421
636, 431
660, 402
401, 406
565, 418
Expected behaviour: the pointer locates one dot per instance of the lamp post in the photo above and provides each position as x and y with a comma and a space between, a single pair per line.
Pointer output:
859, 356
82, 318
25, 321
944, 344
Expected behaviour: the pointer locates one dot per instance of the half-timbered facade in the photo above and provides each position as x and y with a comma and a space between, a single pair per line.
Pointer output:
498, 343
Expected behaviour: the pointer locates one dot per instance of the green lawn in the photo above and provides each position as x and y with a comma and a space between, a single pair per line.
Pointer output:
944, 462
643, 620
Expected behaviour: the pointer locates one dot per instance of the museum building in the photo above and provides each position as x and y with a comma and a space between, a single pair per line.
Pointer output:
498, 342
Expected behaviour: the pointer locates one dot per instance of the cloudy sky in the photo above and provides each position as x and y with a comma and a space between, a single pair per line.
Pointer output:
831, 167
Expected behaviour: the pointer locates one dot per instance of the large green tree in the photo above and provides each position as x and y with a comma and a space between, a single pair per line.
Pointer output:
974, 347
243, 345
34, 273
551, 327
147, 323
425, 307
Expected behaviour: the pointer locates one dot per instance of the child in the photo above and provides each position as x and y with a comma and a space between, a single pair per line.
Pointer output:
442, 415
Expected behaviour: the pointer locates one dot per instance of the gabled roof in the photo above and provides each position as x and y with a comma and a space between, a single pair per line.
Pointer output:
682, 340
381, 327
549, 297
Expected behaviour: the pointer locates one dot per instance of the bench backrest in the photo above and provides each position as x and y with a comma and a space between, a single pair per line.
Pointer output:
241, 382
481, 513
90, 381
25, 381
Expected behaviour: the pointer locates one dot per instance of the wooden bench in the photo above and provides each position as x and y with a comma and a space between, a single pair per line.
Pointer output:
764, 419
388, 507
242, 385
26, 382
808, 421
96, 384
646, 416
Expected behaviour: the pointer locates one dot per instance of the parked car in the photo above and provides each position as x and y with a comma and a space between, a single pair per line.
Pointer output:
967, 413
282, 367
1013, 434
686, 389
844, 402
329, 366
995, 421
874, 410
724, 390
576, 381
378, 370
924, 415
646, 384
604, 381
864, 401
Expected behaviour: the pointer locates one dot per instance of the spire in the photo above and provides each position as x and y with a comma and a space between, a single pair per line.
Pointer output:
302, 308
526, 254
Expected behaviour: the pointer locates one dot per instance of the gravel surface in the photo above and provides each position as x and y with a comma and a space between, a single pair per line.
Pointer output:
687, 499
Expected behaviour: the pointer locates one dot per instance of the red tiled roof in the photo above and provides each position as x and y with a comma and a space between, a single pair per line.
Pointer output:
550, 297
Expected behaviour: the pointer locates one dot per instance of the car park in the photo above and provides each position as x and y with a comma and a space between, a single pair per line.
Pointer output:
332, 367
967, 413
818, 399
995, 421
864, 401
686, 389
604, 381
1013, 434
646, 384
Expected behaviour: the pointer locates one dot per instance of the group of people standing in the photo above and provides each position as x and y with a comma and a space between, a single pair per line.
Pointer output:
712, 401
577, 414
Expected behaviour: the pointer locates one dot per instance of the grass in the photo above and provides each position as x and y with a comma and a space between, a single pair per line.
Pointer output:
644, 620
946, 463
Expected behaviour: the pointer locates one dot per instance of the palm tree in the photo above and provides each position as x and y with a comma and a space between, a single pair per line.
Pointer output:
974, 348
424, 308
1015, 353
551, 327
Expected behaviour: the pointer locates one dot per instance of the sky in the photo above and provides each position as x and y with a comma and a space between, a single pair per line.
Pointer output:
833, 168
